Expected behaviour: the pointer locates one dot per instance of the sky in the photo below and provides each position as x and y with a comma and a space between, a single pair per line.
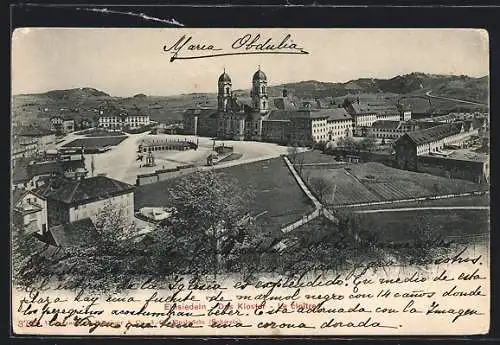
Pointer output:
127, 61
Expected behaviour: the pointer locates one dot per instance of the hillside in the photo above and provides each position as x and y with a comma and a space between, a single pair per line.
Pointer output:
461, 87
410, 89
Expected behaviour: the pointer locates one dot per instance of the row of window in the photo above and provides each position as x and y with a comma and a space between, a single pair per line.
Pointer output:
387, 130
129, 119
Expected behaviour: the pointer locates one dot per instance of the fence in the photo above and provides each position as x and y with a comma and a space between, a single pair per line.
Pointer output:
164, 174
448, 196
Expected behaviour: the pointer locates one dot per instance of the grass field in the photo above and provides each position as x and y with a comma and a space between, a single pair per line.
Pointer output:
98, 142
315, 156
368, 182
405, 226
278, 199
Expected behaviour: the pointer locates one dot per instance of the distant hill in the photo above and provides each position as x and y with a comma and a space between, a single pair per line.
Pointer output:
461, 87
410, 88
77, 93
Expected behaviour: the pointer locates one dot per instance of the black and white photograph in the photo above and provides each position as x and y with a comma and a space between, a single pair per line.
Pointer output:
223, 181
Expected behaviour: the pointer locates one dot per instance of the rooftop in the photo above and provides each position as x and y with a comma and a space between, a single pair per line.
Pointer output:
72, 233
386, 124
336, 114
84, 190
435, 133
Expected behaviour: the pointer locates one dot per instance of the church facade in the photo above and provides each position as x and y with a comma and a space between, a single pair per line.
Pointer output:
232, 119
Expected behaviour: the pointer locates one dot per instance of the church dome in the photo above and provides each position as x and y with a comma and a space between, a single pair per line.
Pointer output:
259, 75
224, 77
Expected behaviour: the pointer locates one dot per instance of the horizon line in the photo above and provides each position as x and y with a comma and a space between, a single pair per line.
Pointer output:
271, 85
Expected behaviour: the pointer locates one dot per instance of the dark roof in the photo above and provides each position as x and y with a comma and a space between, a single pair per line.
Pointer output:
380, 108
54, 167
84, 190
310, 113
386, 124
73, 233
224, 77
112, 110
359, 108
16, 195
259, 75
383, 108
332, 114
284, 103
435, 133
278, 115
424, 124
336, 114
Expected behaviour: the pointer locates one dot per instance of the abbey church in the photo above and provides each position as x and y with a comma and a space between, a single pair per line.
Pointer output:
237, 120
283, 120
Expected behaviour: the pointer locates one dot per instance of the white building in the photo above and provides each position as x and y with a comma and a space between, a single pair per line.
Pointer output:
117, 119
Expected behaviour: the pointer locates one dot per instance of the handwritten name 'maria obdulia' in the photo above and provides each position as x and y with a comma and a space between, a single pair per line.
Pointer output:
187, 49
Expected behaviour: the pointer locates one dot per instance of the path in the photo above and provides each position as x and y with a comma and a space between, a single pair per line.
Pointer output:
428, 94
424, 198
319, 209
424, 208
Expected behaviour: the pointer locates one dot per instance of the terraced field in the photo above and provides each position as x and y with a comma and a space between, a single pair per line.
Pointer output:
372, 182
347, 189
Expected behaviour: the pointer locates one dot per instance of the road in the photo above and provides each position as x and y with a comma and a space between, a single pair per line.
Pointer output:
428, 94
406, 209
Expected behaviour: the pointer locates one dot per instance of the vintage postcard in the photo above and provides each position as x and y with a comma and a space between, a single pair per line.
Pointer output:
258, 182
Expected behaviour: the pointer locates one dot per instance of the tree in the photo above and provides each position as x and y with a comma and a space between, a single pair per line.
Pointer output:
347, 142
368, 143
97, 260
322, 187
210, 221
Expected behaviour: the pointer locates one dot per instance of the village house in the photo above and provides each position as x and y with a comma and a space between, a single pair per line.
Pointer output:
73, 200
30, 175
86, 123
29, 211
62, 124
430, 141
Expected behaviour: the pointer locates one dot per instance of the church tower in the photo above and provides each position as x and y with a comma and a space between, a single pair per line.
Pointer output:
224, 92
260, 101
